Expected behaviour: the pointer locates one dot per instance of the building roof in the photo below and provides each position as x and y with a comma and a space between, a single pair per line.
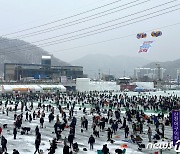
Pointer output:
124, 78
46, 57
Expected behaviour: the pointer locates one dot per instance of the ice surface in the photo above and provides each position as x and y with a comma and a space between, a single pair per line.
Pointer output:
25, 143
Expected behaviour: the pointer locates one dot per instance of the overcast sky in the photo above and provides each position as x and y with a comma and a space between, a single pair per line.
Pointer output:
17, 15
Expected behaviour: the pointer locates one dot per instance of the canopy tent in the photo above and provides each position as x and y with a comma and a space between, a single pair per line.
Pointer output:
53, 87
84, 84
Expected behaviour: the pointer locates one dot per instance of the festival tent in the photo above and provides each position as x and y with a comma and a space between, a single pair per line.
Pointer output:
28, 88
84, 84
145, 85
34, 88
53, 87
5, 88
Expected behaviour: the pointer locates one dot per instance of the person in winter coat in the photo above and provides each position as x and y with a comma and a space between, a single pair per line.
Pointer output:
162, 130
86, 124
141, 127
126, 131
97, 130
53, 146
37, 130
30, 118
41, 121
4, 144
27, 115
37, 142
105, 149
114, 127
15, 132
149, 133
91, 142
66, 149
34, 115
70, 139
109, 134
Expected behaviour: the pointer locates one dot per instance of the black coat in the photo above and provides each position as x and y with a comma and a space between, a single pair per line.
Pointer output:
66, 149
37, 142
14, 131
70, 138
3, 141
91, 140
105, 150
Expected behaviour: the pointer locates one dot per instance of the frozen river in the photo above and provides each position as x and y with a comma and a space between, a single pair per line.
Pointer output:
25, 143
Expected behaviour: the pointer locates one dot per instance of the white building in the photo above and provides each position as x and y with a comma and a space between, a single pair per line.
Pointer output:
154, 74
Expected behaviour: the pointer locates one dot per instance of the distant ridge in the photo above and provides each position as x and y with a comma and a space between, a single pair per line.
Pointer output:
32, 56
116, 65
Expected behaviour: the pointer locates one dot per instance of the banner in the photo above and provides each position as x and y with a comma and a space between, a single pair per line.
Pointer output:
145, 47
176, 125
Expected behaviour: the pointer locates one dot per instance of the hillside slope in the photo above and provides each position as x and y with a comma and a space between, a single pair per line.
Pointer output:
17, 51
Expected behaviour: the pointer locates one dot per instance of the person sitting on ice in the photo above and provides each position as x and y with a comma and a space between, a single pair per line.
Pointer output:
133, 139
156, 137
15, 151
75, 147
138, 139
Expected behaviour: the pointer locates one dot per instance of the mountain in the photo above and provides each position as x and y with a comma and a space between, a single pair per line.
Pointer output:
121, 65
170, 66
18, 51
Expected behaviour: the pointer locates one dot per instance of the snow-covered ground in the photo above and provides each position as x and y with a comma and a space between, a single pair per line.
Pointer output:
25, 143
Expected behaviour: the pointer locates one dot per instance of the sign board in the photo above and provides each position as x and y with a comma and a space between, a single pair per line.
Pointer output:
176, 125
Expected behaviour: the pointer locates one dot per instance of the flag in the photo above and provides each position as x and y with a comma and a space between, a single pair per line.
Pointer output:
145, 47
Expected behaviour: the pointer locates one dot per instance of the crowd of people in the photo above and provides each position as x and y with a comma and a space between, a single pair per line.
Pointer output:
106, 117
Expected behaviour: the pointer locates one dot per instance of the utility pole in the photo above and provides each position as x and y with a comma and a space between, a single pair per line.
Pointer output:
124, 73
109, 71
99, 74
158, 76
178, 80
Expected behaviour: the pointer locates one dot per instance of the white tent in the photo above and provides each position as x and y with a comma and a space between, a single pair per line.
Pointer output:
84, 84
6, 88
34, 88
145, 85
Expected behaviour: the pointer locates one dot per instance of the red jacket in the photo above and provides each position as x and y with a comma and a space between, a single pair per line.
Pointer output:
0, 130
